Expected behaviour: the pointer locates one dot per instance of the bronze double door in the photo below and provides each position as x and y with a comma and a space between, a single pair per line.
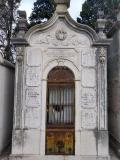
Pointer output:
60, 112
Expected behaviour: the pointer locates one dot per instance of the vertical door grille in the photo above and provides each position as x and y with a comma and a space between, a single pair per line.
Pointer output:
60, 108
60, 115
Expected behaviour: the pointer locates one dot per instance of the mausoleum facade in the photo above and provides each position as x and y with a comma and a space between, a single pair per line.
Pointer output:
60, 109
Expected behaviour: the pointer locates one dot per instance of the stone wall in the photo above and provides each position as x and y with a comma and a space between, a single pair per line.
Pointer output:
6, 102
114, 87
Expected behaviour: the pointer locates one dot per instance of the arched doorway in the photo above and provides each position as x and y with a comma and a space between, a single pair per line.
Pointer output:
60, 115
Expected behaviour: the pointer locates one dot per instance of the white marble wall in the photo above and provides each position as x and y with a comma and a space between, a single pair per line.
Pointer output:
60, 46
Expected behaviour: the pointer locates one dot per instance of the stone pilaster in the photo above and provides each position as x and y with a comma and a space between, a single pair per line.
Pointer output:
102, 88
20, 44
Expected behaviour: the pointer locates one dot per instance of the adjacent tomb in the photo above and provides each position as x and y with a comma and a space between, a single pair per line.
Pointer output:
60, 107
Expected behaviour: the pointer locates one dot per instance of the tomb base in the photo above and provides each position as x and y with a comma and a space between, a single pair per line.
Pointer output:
38, 157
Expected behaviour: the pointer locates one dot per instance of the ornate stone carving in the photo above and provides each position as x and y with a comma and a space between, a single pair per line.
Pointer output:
20, 50
102, 55
60, 61
61, 34
63, 39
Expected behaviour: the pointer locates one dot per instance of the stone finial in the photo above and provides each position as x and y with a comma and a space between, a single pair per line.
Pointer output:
62, 5
101, 22
22, 24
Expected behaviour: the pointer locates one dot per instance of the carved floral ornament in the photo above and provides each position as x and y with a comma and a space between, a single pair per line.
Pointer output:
61, 35
102, 55
19, 51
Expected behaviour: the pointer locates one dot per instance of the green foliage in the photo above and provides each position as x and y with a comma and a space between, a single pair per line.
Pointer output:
43, 10
90, 8
7, 10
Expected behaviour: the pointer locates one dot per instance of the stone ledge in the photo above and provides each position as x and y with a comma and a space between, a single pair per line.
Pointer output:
20, 157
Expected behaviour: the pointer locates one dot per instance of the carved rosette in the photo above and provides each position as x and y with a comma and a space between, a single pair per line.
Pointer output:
102, 55
61, 35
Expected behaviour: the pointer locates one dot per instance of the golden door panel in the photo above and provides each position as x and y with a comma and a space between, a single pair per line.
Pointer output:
60, 142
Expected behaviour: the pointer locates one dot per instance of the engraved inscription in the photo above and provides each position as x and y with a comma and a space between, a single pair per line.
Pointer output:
33, 97
88, 119
32, 118
88, 98
66, 53
33, 76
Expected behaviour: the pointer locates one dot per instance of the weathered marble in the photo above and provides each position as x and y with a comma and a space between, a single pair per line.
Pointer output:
62, 42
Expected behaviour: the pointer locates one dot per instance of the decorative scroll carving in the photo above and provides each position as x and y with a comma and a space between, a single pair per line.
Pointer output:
60, 61
61, 38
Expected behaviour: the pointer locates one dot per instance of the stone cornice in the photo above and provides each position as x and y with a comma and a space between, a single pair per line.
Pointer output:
102, 42
19, 42
115, 28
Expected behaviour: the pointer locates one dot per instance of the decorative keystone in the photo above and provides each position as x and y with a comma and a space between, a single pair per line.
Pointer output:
62, 5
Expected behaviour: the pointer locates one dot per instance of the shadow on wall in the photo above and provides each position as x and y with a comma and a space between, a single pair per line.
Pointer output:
6, 104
